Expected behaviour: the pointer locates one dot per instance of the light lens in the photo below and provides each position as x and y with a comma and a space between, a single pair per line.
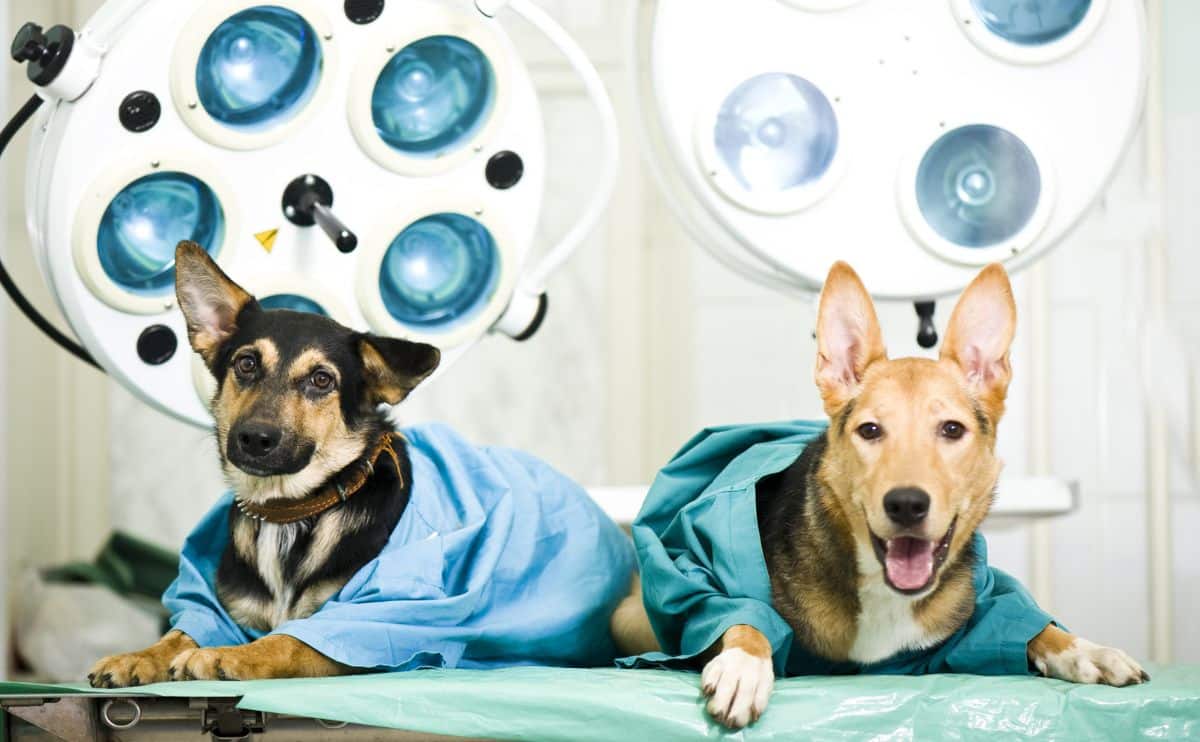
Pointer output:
1031, 22
439, 271
978, 185
293, 303
146, 220
776, 132
258, 68
433, 96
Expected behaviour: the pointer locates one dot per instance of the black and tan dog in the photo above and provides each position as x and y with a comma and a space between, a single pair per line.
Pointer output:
866, 537
298, 425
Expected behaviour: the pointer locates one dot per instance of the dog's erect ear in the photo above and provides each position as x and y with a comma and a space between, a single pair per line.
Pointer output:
848, 337
394, 367
980, 334
209, 300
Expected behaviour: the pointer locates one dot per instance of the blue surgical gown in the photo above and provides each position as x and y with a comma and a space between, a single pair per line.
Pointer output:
498, 560
703, 569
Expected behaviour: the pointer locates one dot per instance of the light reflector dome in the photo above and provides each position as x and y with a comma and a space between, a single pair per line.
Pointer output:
775, 132
293, 303
146, 220
438, 271
978, 185
433, 96
259, 67
1031, 22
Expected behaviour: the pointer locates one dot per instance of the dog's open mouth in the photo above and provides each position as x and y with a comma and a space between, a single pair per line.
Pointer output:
909, 563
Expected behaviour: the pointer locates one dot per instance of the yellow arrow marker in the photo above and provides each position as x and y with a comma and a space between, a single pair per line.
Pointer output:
267, 239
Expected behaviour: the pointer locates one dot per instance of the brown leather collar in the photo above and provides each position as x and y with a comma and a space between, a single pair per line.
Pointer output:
348, 482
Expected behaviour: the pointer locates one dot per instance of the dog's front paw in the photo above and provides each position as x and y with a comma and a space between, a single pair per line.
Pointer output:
738, 686
1085, 662
127, 670
206, 664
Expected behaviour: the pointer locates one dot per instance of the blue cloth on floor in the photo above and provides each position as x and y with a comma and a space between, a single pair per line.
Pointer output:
498, 560
703, 569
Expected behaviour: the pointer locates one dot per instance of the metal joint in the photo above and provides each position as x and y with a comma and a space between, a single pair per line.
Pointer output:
227, 723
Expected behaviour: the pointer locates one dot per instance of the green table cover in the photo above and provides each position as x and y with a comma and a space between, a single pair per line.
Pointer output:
557, 704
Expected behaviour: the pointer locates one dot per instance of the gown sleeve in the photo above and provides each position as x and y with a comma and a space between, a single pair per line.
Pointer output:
995, 639
694, 587
700, 557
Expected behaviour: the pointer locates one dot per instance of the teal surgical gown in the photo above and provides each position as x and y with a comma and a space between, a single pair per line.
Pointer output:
703, 569
498, 560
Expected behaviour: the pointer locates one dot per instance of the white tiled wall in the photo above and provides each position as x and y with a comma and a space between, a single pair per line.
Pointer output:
4, 350
1182, 60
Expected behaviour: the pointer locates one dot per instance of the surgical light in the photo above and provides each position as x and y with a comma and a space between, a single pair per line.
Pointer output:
433, 95
978, 186
138, 231
439, 270
918, 141
776, 132
258, 66
380, 163
1031, 22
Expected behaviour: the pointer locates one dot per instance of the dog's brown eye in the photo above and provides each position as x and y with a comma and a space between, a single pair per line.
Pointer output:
322, 380
953, 430
246, 365
870, 431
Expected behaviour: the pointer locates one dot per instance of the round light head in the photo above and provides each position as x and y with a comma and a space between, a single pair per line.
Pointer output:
978, 185
146, 220
258, 67
433, 96
439, 271
292, 303
1031, 22
776, 132
263, 91
876, 136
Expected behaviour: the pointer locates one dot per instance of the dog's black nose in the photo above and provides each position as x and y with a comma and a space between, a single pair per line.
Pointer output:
906, 506
258, 440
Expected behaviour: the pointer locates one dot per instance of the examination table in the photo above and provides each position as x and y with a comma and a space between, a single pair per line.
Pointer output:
627, 705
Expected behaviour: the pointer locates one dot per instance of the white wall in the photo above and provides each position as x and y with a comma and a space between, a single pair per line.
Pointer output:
4, 352
54, 476
1182, 128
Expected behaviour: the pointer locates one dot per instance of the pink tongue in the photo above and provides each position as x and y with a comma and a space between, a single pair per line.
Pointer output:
909, 562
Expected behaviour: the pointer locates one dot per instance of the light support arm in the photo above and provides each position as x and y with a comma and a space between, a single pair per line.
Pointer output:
107, 24
533, 284
10, 287
491, 8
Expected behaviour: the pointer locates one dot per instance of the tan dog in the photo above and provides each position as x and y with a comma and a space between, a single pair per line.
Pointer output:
864, 536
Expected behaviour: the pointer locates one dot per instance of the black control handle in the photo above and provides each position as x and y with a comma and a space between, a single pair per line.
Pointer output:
927, 334
307, 201
345, 240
